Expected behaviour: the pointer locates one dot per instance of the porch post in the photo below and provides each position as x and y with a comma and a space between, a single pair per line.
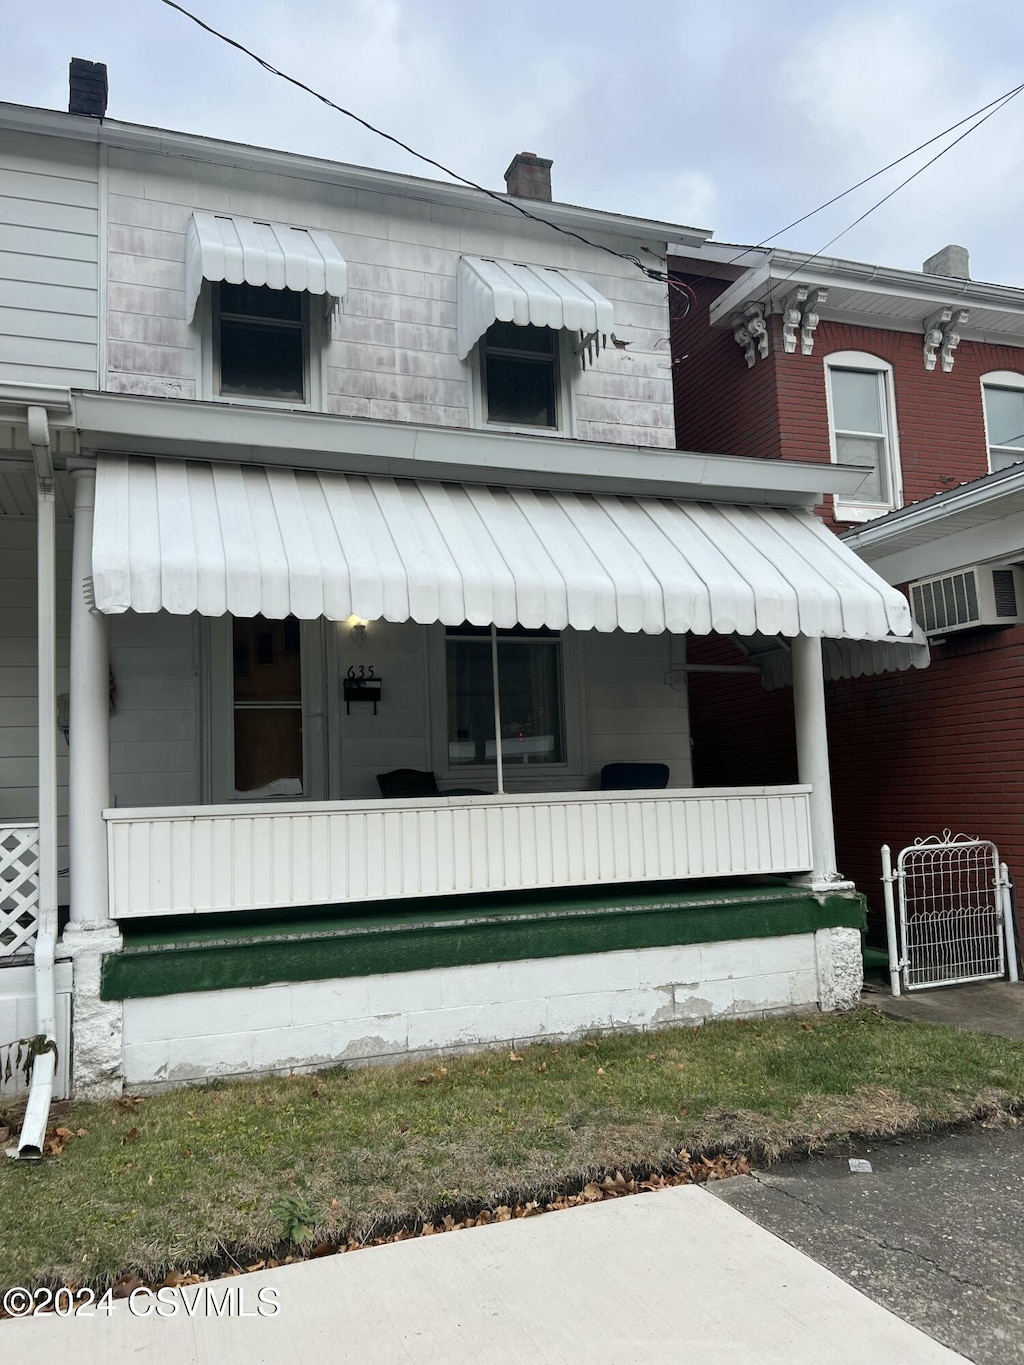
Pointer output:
97, 1055
89, 733
812, 756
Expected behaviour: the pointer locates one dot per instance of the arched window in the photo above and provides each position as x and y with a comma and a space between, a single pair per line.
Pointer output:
1003, 395
862, 431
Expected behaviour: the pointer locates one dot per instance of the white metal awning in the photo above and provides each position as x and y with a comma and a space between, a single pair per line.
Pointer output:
503, 291
220, 246
842, 658
211, 538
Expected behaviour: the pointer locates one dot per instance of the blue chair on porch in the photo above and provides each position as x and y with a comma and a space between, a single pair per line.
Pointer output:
625, 777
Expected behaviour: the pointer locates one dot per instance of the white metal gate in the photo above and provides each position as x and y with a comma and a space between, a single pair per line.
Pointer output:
954, 921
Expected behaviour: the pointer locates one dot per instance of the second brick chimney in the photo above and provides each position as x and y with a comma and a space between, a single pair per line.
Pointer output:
529, 176
87, 88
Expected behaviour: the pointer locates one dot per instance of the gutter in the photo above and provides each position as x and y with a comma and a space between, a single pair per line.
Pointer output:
44, 1064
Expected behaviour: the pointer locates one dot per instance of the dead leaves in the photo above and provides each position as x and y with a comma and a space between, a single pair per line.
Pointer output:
438, 1074
57, 1139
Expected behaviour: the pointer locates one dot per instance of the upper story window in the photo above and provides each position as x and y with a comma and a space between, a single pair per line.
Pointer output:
519, 375
862, 431
517, 326
261, 343
260, 292
1003, 392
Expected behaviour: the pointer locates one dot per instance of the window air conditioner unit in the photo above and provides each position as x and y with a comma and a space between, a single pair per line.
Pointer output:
981, 595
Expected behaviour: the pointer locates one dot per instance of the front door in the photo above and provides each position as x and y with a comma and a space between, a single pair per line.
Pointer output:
267, 740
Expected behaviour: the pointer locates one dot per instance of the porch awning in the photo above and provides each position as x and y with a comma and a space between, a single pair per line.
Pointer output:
842, 658
502, 291
220, 246
183, 536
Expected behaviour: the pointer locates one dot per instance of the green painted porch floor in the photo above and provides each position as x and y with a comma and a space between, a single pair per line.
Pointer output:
214, 952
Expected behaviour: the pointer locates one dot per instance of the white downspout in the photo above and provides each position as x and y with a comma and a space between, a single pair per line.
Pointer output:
37, 1111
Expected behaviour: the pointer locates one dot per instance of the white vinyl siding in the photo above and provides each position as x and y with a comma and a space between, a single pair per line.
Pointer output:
390, 352
48, 261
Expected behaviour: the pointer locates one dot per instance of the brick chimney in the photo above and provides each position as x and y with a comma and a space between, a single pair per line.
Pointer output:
529, 176
87, 88
951, 260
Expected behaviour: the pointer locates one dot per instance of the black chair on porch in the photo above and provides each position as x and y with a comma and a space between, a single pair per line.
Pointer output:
625, 777
411, 782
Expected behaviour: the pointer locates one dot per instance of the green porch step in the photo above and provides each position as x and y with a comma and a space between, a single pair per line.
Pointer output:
215, 952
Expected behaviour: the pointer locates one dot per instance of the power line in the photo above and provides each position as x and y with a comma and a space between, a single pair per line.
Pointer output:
999, 100
998, 105
987, 110
661, 276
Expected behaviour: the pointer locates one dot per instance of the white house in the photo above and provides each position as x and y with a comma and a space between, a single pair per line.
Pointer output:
328, 473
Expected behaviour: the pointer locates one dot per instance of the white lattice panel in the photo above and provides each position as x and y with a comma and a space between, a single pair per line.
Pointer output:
19, 888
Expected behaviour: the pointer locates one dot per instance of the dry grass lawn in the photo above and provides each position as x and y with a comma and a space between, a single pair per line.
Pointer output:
192, 1178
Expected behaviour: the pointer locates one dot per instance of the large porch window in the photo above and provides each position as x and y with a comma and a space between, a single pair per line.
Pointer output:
530, 692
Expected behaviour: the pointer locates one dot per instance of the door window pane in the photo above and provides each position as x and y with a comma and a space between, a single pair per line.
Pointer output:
267, 661
530, 679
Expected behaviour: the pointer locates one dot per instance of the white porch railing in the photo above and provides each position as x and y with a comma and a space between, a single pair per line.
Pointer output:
19, 888
200, 859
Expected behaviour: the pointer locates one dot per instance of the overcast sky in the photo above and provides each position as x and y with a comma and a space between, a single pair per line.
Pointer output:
736, 117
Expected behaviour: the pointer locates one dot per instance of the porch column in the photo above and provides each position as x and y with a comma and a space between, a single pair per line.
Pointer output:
89, 733
97, 1064
812, 756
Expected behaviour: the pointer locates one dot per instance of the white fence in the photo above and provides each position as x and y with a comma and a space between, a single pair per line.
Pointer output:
19, 889
197, 859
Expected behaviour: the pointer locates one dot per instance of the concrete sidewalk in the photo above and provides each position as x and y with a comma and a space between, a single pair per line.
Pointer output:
988, 1006
666, 1277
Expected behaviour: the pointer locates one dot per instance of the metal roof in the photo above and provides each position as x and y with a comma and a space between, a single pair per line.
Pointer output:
503, 291
220, 246
213, 538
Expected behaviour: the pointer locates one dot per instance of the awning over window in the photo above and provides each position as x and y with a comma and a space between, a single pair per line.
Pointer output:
502, 291
212, 538
242, 251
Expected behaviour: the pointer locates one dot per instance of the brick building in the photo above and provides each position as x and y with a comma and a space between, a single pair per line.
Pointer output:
920, 377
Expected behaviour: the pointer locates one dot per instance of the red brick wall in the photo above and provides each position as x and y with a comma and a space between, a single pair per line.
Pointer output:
914, 753
722, 407
777, 409
742, 735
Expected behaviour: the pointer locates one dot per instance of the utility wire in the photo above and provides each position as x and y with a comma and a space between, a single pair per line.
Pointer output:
998, 105
662, 276
999, 100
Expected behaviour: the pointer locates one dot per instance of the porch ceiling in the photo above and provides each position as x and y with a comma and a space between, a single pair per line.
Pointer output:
213, 538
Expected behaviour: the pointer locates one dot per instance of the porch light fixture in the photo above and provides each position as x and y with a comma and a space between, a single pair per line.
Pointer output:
357, 627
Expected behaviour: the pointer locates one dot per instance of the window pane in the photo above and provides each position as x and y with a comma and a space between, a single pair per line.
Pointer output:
261, 361
529, 677
268, 751
856, 401
520, 391
1004, 412
470, 702
532, 729
267, 660
508, 336
257, 301
869, 453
